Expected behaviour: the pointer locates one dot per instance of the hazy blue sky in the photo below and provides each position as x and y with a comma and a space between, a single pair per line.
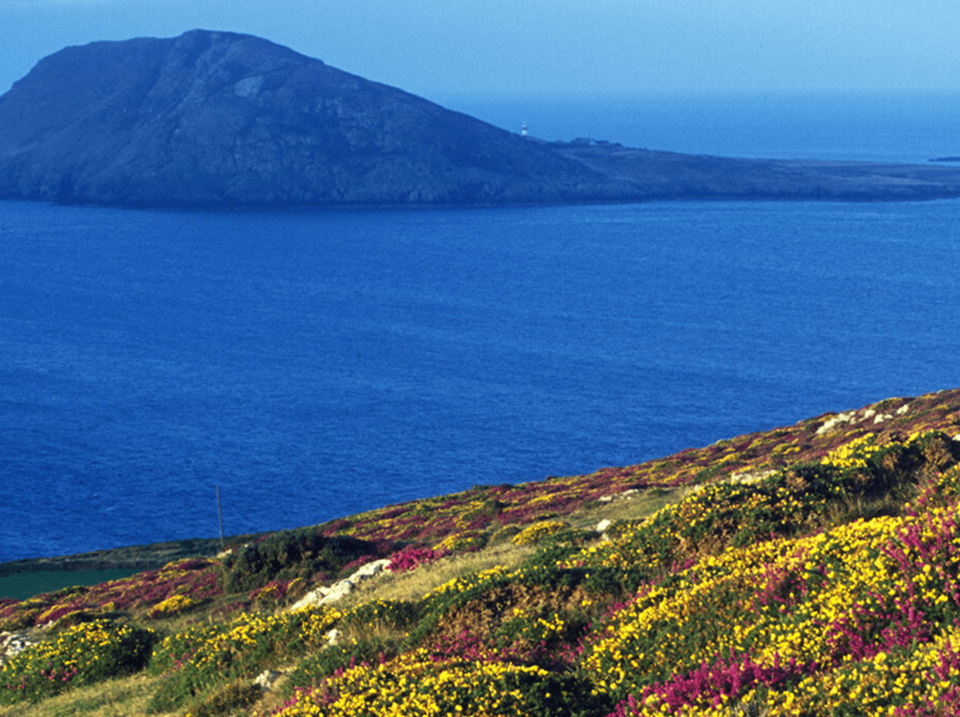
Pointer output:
443, 47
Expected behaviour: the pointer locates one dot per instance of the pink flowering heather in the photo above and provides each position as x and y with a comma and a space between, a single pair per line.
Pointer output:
414, 556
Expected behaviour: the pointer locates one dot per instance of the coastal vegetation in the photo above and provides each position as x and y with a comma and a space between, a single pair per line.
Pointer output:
811, 569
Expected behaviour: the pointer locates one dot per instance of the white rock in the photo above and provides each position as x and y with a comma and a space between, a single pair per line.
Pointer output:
311, 599
370, 569
338, 591
750, 477
13, 643
333, 637
604, 525
832, 423
626, 495
323, 595
903, 409
266, 679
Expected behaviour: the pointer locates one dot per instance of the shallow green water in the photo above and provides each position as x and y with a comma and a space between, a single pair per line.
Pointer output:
24, 585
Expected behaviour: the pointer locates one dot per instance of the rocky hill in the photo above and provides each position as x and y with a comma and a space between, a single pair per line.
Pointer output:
810, 570
213, 119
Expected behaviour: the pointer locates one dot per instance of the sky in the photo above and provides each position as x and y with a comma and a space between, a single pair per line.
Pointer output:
442, 48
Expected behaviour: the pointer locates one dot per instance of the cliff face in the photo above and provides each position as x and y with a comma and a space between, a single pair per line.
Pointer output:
218, 119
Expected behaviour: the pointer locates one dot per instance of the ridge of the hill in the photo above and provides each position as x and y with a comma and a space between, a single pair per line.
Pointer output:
811, 569
219, 119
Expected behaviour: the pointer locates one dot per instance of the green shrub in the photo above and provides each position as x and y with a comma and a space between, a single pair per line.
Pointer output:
559, 695
287, 555
80, 655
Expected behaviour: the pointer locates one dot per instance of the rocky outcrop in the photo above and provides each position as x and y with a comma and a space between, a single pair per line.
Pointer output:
868, 414
340, 589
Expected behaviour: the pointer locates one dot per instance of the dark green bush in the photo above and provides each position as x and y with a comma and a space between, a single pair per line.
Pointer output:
289, 554
559, 695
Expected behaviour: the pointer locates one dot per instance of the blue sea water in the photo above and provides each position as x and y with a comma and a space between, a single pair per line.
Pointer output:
318, 363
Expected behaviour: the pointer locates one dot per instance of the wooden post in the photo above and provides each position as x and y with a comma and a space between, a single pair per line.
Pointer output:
220, 517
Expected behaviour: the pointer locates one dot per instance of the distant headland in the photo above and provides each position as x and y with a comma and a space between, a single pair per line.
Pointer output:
215, 119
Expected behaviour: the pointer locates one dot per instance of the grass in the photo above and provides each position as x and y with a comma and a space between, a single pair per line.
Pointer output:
633, 506
114, 698
413, 585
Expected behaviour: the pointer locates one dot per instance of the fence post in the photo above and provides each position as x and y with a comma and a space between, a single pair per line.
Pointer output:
220, 517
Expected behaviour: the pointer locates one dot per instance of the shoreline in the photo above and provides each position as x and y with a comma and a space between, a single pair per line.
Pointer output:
134, 557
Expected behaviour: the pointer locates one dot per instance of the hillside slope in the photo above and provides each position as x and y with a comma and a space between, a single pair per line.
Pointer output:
811, 569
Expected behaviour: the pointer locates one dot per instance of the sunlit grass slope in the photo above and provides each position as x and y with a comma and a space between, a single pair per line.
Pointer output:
808, 570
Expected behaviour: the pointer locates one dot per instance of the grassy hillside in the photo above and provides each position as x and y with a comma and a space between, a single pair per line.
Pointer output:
808, 570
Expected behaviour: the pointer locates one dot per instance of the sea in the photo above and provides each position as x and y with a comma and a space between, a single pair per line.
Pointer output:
313, 364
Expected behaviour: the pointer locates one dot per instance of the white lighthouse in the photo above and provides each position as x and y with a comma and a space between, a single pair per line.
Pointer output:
523, 130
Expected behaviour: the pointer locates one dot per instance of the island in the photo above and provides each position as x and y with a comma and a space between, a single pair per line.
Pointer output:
217, 119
